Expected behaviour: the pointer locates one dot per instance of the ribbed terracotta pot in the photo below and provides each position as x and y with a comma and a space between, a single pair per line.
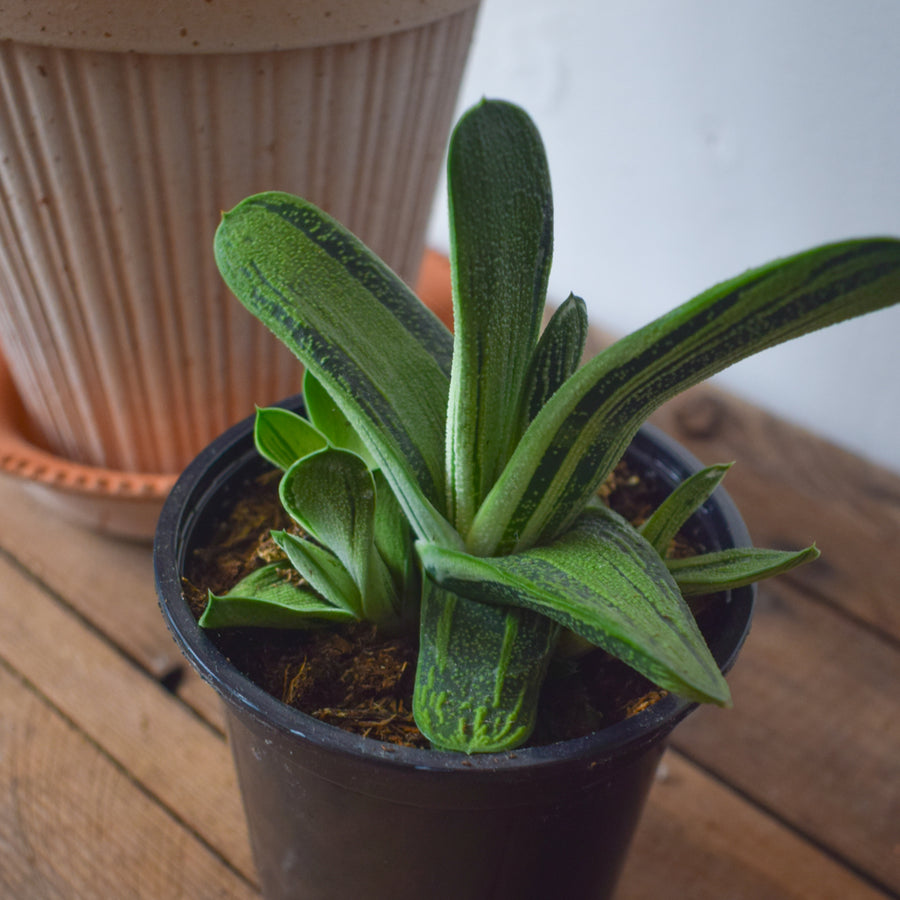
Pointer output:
126, 128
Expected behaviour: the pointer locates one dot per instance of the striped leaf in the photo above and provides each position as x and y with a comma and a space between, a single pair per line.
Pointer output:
479, 672
282, 437
269, 598
585, 427
557, 355
501, 228
603, 581
667, 520
734, 568
378, 351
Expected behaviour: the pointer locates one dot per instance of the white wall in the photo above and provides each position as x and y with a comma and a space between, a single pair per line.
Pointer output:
691, 139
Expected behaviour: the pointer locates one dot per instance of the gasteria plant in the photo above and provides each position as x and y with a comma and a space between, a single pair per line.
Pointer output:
454, 478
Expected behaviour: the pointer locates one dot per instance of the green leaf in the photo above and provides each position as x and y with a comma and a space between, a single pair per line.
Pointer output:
501, 234
660, 529
328, 418
268, 598
394, 540
283, 437
378, 351
557, 355
584, 429
324, 572
710, 572
331, 494
603, 581
479, 672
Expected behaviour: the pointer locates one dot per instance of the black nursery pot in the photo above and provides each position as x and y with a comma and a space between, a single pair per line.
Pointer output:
333, 816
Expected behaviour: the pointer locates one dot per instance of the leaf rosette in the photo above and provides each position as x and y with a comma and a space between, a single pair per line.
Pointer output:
451, 480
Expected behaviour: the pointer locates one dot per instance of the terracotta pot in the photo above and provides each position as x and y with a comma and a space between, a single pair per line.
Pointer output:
332, 815
126, 128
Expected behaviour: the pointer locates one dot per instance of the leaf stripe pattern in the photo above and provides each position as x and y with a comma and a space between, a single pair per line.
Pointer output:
557, 355
501, 217
606, 583
366, 269
583, 430
299, 271
460, 702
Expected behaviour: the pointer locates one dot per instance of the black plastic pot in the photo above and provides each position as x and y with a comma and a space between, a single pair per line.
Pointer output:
336, 816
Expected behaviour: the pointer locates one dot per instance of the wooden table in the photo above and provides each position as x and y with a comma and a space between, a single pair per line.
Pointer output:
795, 793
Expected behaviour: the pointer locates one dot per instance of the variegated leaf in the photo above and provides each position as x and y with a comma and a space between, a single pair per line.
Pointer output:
501, 234
734, 568
670, 516
380, 353
557, 355
479, 672
603, 581
584, 429
269, 598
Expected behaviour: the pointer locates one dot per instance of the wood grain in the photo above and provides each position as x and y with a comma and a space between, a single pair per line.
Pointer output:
815, 731
75, 826
700, 840
108, 582
163, 746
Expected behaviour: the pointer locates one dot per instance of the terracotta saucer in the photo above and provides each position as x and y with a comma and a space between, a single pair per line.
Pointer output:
125, 504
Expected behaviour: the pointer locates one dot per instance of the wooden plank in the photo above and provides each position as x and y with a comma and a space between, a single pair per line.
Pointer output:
699, 840
815, 732
73, 825
108, 581
175, 756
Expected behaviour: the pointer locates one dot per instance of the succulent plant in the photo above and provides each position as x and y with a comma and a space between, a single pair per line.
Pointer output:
451, 480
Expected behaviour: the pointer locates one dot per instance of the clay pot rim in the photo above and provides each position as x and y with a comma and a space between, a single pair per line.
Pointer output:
227, 26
